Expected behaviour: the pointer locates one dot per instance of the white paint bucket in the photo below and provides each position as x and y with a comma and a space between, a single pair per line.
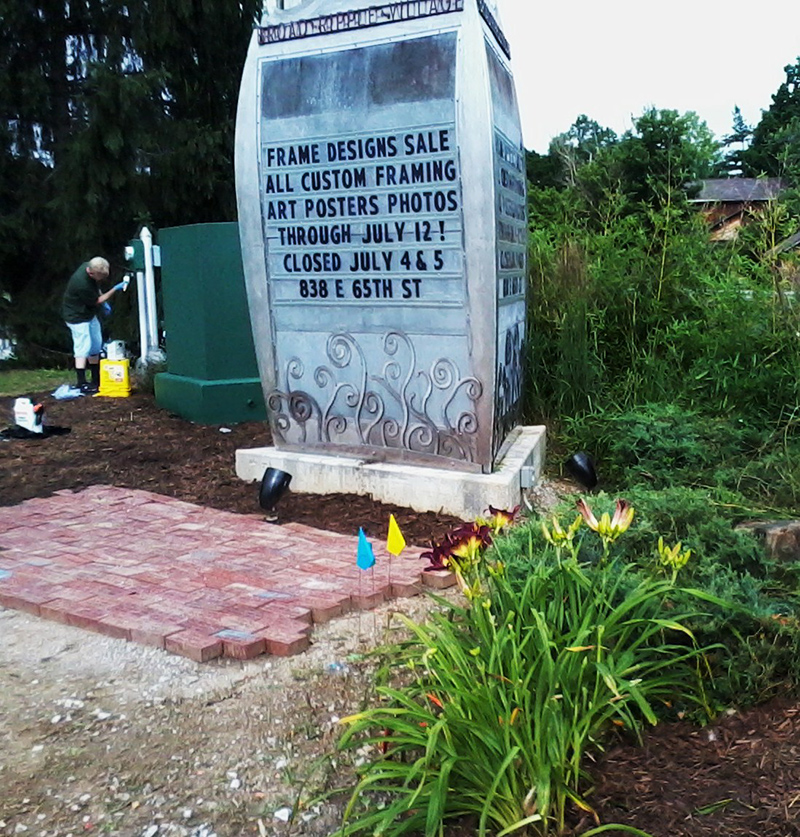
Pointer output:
115, 350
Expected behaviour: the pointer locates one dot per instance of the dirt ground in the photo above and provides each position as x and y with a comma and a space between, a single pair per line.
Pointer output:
99, 735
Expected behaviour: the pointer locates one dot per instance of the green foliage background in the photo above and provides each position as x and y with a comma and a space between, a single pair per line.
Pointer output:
112, 114
673, 359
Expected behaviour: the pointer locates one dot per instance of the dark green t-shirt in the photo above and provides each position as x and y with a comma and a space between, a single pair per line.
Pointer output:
80, 297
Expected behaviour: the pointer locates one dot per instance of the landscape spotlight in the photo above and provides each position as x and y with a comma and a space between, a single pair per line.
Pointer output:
273, 484
580, 466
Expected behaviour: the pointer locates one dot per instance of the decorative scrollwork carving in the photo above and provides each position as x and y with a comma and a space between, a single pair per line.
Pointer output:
429, 411
509, 385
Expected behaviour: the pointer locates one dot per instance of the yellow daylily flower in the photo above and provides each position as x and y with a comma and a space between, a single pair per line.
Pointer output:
672, 557
557, 536
609, 528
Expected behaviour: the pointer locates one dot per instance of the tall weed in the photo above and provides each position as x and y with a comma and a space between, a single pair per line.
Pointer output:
668, 318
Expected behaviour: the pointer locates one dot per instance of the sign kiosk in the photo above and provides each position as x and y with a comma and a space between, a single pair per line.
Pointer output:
380, 176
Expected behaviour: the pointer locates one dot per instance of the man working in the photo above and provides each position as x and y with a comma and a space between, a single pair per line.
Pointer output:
82, 300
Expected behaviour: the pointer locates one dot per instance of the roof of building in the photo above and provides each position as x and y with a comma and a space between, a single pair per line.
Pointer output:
787, 244
738, 190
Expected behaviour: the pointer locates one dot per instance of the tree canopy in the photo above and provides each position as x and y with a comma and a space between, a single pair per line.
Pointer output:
775, 149
113, 113
589, 171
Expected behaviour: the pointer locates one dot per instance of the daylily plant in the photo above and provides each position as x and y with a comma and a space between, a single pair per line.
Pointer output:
559, 537
672, 557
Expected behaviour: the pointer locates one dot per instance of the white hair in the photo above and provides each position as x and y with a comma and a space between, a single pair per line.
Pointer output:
98, 265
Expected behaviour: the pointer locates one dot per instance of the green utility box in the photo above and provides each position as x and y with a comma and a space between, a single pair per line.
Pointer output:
212, 376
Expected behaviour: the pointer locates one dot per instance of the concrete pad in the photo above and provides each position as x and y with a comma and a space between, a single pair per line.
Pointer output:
418, 487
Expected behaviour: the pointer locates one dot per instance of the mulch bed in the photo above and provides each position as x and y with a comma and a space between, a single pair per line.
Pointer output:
133, 443
736, 778
740, 776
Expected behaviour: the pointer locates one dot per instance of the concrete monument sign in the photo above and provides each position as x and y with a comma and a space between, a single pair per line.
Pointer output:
380, 176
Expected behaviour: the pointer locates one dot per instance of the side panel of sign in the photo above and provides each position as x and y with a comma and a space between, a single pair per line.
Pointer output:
512, 236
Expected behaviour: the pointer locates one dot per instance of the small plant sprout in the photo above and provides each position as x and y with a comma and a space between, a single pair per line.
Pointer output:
672, 558
608, 528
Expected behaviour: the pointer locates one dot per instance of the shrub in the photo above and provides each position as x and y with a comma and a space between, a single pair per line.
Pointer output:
755, 631
661, 445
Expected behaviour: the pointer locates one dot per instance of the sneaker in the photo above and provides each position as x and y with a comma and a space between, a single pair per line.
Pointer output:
89, 388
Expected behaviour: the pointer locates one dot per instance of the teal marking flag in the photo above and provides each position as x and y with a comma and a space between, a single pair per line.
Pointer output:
365, 557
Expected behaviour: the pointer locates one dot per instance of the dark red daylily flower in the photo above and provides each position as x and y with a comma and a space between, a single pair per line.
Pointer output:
504, 517
438, 556
459, 546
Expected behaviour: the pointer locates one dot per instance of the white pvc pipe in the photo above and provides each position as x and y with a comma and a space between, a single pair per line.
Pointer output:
141, 297
150, 294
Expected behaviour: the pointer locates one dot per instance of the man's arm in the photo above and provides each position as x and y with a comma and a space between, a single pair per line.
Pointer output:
120, 286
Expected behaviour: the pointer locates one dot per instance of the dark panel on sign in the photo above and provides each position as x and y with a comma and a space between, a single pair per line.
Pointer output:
504, 96
419, 70
413, 71
310, 85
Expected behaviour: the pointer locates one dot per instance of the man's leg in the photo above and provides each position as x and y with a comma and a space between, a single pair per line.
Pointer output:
80, 370
94, 370
96, 336
82, 350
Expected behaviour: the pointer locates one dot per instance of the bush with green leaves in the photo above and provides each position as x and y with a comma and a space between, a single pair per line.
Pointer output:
753, 468
503, 697
756, 632
661, 445
773, 475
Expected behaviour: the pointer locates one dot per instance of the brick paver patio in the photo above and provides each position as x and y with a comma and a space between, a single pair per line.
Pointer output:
193, 580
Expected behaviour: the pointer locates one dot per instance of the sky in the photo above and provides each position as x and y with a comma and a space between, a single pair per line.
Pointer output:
614, 59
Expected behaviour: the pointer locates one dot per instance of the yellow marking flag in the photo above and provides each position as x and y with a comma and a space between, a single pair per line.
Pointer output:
395, 542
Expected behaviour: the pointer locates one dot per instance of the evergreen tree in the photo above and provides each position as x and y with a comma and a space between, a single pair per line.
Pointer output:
197, 48
735, 144
775, 149
112, 114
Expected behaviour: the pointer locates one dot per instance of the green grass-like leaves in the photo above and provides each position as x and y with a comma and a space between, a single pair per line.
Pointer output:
507, 694
20, 382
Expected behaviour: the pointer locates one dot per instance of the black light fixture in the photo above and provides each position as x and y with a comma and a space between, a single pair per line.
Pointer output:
273, 485
580, 466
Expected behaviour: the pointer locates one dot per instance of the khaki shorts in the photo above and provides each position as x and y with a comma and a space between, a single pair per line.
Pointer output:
87, 338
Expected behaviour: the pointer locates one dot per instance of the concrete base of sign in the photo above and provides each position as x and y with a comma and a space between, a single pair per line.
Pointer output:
421, 488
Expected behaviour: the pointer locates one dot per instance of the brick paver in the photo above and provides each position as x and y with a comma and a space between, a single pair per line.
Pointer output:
193, 580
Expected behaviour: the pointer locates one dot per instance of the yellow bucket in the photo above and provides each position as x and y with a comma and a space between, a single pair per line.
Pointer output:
115, 379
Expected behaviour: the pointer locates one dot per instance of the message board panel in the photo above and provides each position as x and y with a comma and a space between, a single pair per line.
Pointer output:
379, 290
512, 238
